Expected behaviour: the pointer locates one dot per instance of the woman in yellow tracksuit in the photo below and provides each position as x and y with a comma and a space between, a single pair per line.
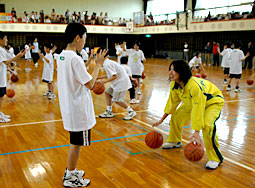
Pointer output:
201, 104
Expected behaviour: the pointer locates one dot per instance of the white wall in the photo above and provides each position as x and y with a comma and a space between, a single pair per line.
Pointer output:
115, 8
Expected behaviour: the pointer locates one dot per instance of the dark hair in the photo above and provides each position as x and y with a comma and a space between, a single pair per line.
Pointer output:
228, 44
102, 49
123, 60
181, 67
48, 45
137, 43
121, 42
197, 53
237, 44
2, 35
74, 29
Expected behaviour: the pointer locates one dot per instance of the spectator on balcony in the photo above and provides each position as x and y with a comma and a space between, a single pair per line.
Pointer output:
106, 19
37, 17
67, 15
53, 16
13, 12
86, 17
216, 60
93, 18
62, 19
151, 18
47, 19
124, 23
252, 14
208, 51
26, 18
57, 20
32, 17
41, 16
79, 17
100, 19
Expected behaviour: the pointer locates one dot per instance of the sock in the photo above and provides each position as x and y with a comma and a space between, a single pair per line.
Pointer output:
69, 172
138, 89
237, 87
129, 109
109, 108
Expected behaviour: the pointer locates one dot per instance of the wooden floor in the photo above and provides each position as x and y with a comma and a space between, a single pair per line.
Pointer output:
34, 146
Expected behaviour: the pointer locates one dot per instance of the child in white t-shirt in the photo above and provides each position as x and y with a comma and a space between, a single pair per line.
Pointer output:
135, 58
28, 57
124, 63
225, 63
196, 64
75, 101
86, 58
236, 58
120, 83
121, 51
5, 60
48, 70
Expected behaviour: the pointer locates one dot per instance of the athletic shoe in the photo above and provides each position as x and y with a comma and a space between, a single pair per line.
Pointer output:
106, 114
225, 82
75, 181
4, 115
130, 115
212, 165
237, 90
52, 96
139, 93
4, 120
228, 88
134, 101
36, 64
79, 173
47, 93
171, 145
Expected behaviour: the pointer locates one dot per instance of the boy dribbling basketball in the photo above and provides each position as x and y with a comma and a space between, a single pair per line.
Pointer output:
76, 105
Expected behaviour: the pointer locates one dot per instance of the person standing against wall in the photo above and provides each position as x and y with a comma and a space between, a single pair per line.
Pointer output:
35, 54
186, 51
208, 51
216, 60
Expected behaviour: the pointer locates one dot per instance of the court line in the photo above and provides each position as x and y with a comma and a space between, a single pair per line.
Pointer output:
166, 133
240, 100
50, 121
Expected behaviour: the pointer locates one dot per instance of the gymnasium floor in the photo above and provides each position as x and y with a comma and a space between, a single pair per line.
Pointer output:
34, 145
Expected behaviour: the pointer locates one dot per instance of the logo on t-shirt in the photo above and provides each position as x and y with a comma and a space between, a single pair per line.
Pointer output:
62, 58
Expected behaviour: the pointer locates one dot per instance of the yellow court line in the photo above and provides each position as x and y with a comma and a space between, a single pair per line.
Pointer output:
166, 133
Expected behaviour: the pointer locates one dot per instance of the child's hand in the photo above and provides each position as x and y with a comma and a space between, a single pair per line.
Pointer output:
21, 53
101, 57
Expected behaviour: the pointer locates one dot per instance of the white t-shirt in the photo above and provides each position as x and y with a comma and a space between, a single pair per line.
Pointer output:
235, 61
127, 69
48, 68
122, 83
134, 61
84, 55
4, 56
36, 47
226, 57
121, 53
28, 53
195, 61
186, 48
75, 99
11, 50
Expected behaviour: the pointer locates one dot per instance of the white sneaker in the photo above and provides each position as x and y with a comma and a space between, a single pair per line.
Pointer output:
79, 173
139, 93
212, 165
171, 145
4, 120
130, 115
228, 88
36, 65
237, 90
106, 114
225, 82
52, 96
75, 181
47, 93
4, 115
134, 101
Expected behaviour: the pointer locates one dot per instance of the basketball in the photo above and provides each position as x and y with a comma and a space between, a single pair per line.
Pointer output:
204, 75
98, 88
10, 93
249, 82
135, 83
193, 152
33, 47
197, 75
154, 139
143, 75
14, 78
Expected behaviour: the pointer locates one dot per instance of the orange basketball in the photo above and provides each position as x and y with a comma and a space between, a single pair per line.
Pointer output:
249, 82
98, 88
135, 83
204, 75
10, 93
33, 47
154, 139
14, 78
143, 75
193, 152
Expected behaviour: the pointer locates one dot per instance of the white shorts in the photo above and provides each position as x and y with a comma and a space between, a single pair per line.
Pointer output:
116, 96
